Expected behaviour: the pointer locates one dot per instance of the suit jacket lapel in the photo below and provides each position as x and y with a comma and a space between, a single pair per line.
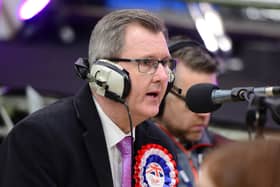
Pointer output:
143, 135
94, 136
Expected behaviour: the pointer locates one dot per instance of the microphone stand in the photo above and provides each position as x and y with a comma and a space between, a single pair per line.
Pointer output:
256, 114
257, 110
274, 106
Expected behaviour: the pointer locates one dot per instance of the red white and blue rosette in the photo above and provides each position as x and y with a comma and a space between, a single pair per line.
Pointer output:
155, 167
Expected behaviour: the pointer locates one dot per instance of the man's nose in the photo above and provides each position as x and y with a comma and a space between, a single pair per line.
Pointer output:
162, 72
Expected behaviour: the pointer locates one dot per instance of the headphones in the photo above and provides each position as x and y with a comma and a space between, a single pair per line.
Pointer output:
173, 47
108, 79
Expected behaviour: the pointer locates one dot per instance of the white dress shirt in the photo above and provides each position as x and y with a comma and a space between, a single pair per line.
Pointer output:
113, 135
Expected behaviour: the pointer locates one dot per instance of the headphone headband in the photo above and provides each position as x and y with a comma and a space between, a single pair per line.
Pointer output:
173, 47
183, 43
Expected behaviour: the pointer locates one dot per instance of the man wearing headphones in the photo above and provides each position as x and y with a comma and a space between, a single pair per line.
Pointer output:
188, 130
92, 138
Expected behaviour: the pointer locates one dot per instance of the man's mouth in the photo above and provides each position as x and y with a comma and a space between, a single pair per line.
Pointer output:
198, 127
153, 94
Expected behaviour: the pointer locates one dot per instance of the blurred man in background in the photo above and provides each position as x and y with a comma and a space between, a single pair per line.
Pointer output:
187, 129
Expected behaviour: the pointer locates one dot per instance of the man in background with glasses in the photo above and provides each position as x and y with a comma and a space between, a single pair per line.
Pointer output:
188, 130
91, 139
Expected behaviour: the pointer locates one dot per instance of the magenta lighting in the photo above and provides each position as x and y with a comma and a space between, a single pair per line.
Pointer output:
30, 8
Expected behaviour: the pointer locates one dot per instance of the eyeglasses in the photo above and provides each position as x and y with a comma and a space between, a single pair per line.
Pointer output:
148, 65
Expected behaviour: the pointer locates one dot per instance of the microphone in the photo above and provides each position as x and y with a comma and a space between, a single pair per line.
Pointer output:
205, 97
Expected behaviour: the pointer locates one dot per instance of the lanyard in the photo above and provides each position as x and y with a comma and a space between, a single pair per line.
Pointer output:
184, 150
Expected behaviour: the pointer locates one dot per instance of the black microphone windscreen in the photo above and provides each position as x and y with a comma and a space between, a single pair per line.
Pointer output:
199, 98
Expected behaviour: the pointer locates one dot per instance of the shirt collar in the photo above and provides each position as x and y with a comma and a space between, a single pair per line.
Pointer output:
113, 134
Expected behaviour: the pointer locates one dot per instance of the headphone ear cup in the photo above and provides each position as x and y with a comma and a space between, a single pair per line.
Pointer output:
110, 80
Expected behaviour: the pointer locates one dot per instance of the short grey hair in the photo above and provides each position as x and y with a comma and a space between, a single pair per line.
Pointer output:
107, 37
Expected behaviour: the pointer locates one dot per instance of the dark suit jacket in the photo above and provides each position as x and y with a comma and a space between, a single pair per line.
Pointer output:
64, 145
